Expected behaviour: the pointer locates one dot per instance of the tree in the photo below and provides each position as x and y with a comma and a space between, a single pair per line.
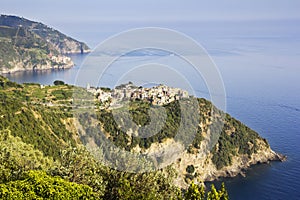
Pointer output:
223, 193
195, 192
77, 165
16, 157
58, 82
213, 193
190, 169
152, 185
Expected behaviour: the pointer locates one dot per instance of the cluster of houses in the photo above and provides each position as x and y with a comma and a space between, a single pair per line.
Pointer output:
158, 95
60, 59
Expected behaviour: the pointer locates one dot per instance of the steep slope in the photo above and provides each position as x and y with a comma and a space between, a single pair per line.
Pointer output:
62, 43
40, 125
27, 45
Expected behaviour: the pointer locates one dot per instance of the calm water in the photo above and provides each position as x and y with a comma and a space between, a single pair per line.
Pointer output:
260, 67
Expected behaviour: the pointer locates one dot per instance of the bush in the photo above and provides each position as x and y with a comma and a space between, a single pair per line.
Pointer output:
38, 185
58, 82
190, 169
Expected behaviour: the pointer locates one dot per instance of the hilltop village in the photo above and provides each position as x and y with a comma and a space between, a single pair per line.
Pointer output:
157, 95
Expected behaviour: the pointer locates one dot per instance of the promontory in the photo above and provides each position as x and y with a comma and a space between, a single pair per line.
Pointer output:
28, 45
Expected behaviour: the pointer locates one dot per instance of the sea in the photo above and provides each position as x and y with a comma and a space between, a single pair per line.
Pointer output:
259, 63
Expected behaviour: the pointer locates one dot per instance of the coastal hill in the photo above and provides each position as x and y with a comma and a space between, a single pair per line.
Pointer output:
28, 45
40, 119
237, 147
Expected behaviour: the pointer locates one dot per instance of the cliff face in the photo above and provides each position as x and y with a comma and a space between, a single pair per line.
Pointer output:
28, 45
206, 170
200, 165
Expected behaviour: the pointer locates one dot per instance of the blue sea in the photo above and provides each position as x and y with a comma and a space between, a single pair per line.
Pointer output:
259, 62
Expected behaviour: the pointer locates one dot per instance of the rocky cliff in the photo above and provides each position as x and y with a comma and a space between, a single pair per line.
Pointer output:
201, 168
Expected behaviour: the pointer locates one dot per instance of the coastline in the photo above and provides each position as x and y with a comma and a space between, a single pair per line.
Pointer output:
13, 71
206, 171
16, 70
48, 66
241, 165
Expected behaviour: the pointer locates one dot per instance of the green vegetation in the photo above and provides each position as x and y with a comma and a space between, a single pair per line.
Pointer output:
139, 115
139, 112
190, 169
197, 192
29, 45
38, 185
17, 157
58, 82
17, 44
57, 40
105, 89
42, 154
41, 126
235, 139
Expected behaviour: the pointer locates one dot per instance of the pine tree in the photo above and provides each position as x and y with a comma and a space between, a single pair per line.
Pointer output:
213, 194
202, 192
223, 193
195, 192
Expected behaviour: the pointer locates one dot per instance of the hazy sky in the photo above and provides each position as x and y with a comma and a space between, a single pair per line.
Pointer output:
53, 11
74, 17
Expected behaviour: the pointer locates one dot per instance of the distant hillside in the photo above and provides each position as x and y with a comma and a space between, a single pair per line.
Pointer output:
62, 43
28, 45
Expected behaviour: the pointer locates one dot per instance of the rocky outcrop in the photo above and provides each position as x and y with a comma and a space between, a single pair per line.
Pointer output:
205, 169
208, 171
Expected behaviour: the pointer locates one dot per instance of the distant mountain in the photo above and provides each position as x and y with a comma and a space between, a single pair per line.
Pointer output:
28, 45
58, 40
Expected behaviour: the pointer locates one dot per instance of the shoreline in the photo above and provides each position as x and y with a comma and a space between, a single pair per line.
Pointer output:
244, 171
206, 171
232, 172
7, 72
44, 67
